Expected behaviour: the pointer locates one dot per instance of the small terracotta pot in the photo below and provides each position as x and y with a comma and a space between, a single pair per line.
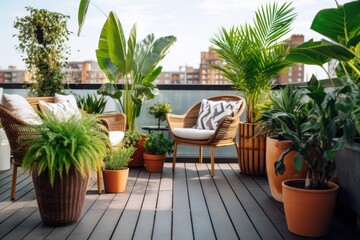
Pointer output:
274, 148
115, 180
308, 212
153, 162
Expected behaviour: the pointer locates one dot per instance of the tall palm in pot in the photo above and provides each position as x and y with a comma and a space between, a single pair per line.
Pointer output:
253, 56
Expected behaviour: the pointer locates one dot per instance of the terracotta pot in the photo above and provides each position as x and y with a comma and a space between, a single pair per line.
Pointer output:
274, 148
138, 160
251, 150
308, 212
153, 162
62, 203
115, 180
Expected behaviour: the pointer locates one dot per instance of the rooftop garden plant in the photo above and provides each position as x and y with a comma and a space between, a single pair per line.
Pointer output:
159, 111
42, 39
91, 103
253, 54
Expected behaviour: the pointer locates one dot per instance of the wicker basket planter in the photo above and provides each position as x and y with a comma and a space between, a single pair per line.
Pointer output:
62, 204
251, 150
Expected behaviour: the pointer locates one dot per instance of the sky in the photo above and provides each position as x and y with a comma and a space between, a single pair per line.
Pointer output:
192, 22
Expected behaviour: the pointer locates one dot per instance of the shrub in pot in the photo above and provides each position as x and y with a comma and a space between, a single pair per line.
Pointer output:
291, 101
115, 172
91, 103
136, 139
60, 159
156, 146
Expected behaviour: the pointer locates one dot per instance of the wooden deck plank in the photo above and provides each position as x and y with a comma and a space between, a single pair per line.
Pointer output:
259, 219
185, 203
145, 224
244, 227
163, 215
127, 223
222, 225
182, 227
275, 216
202, 226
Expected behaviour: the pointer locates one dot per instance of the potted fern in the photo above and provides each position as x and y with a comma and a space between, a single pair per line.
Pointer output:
61, 157
116, 171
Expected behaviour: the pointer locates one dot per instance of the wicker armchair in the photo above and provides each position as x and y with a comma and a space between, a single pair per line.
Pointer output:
15, 129
224, 135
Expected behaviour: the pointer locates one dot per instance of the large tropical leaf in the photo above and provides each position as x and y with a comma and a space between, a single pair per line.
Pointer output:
83, 7
339, 24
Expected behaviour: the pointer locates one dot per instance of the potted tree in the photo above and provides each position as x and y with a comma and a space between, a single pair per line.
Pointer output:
116, 172
343, 47
292, 102
253, 56
60, 158
42, 36
156, 145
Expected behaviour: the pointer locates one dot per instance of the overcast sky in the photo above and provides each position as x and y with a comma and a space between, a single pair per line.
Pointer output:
192, 22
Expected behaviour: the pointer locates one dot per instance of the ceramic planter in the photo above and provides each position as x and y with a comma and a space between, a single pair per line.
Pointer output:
115, 180
153, 162
274, 148
61, 204
251, 150
308, 212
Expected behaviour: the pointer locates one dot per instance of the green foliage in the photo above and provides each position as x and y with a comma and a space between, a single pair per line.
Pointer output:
159, 111
133, 64
61, 144
91, 103
131, 137
42, 36
344, 44
252, 55
158, 144
315, 139
289, 107
120, 158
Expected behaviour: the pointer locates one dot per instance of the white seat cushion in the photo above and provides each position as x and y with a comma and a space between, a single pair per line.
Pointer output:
21, 108
65, 98
116, 137
193, 133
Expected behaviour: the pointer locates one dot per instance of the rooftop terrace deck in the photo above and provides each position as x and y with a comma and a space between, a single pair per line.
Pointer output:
184, 204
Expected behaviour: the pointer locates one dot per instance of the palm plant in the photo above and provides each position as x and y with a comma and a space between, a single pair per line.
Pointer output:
253, 55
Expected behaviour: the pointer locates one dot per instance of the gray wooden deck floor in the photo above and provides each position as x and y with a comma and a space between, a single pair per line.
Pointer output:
184, 204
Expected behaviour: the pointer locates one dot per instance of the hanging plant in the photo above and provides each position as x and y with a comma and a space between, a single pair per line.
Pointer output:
42, 42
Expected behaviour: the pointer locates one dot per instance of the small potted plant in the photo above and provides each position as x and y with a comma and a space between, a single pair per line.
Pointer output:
91, 103
156, 145
116, 171
60, 157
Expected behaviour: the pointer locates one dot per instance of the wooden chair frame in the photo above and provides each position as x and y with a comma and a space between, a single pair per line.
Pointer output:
225, 133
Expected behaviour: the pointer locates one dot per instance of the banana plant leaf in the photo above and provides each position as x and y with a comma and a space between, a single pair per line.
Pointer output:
342, 24
83, 7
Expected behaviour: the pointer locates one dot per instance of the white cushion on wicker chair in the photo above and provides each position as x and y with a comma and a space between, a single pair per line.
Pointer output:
116, 137
193, 133
63, 98
21, 108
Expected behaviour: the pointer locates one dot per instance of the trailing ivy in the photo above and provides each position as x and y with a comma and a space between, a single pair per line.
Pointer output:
42, 42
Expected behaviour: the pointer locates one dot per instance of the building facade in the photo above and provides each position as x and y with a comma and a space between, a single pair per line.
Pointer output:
13, 75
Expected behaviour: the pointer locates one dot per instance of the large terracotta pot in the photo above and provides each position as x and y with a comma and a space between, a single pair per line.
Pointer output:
251, 150
153, 162
61, 204
138, 160
115, 180
274, 148
308, 212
